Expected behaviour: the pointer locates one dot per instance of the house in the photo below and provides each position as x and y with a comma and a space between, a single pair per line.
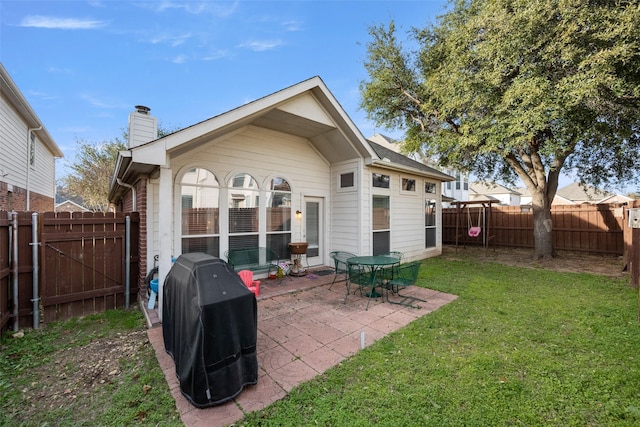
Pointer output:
70, 206
458, 189
289, 167
573, 194
493, 191
578, 194
27, 164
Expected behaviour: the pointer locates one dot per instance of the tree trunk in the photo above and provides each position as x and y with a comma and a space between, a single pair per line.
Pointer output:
542, 227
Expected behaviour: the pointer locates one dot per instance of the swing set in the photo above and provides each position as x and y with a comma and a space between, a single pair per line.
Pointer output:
475, 230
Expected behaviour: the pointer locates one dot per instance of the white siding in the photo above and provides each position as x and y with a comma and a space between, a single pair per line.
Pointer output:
344, 232
13, 137
14, 160
263, 154
407, 222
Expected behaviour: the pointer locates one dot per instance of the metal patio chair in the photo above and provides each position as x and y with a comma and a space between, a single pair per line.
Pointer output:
406, 275
340, 263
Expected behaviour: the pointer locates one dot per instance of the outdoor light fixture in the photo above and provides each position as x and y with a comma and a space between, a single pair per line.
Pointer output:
299, 214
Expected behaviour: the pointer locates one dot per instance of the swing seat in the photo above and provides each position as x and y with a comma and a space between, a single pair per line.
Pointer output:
474, 231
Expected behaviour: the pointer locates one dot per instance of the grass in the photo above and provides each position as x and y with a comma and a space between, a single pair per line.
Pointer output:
30, 367
519, 346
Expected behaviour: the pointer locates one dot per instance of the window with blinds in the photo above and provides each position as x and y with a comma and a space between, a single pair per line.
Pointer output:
244, 204
278, 202
200, 194
381, 225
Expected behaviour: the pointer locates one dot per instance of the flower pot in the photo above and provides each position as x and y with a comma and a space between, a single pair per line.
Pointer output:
298, 248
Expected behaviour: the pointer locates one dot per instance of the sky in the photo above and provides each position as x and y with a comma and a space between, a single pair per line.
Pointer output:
84, 65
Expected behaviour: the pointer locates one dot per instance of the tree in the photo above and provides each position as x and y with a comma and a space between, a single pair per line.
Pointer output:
93, 168
91, 172
516, 88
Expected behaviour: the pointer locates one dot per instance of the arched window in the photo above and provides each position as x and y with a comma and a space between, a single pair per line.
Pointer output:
200, 195
278, 204
243, 212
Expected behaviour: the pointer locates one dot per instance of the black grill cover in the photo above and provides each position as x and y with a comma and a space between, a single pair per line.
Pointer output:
209, 326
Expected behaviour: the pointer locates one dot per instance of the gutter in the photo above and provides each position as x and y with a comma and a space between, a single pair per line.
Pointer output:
394, 166
134, 203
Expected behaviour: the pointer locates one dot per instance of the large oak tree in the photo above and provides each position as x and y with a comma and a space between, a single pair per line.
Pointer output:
517, 88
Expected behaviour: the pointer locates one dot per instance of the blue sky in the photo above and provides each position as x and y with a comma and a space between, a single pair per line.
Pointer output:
84, 65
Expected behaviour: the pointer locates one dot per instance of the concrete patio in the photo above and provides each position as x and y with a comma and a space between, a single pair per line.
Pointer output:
304, 328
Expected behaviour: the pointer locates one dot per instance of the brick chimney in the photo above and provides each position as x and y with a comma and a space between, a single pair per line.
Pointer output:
143, 127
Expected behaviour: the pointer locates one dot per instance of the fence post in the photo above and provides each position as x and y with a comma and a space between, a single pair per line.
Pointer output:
127, 262
15, 269
34, 253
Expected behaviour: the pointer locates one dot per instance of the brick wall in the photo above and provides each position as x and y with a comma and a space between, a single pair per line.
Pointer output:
16, 200
126, 205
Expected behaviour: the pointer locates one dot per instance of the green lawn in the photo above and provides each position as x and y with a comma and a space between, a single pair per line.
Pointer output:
519, 347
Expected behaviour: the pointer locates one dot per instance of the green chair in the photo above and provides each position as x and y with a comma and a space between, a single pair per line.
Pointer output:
405, 275
389, 273
340, 263
359, 276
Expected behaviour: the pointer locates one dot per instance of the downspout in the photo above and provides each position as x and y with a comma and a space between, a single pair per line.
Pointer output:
133, 194
127, 262
29, 132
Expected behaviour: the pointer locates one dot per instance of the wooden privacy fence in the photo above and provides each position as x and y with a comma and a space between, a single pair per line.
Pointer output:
585, 228
79, 266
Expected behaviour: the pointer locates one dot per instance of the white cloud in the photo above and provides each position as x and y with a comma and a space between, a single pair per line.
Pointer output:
194, 8
292, 26
100, 103
180, 59
52, 22
42, 95
172, 41
218, 54
261, 45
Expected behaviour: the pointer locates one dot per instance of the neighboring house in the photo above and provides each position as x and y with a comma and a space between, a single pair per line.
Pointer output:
288, 167
573, 194
493, 191
577, 194
525, 195
70, 206
458, 189
27, 164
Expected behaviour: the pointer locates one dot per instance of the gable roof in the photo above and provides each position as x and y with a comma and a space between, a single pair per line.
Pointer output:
307, 109
490, 188
578, 193
390, 159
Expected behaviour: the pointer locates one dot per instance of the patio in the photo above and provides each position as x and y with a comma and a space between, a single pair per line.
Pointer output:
303, 329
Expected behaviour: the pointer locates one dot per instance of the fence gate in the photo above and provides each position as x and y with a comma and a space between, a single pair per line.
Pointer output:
81, 265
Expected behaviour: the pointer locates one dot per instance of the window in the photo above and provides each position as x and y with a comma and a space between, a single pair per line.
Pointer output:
200, 195
381, 225
278, 201
243, 212
408, 184
458, 179
429, 187
430, 223
32, 149
381, 181
347, 180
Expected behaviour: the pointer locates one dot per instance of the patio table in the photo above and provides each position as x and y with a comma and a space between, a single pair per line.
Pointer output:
373, 263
